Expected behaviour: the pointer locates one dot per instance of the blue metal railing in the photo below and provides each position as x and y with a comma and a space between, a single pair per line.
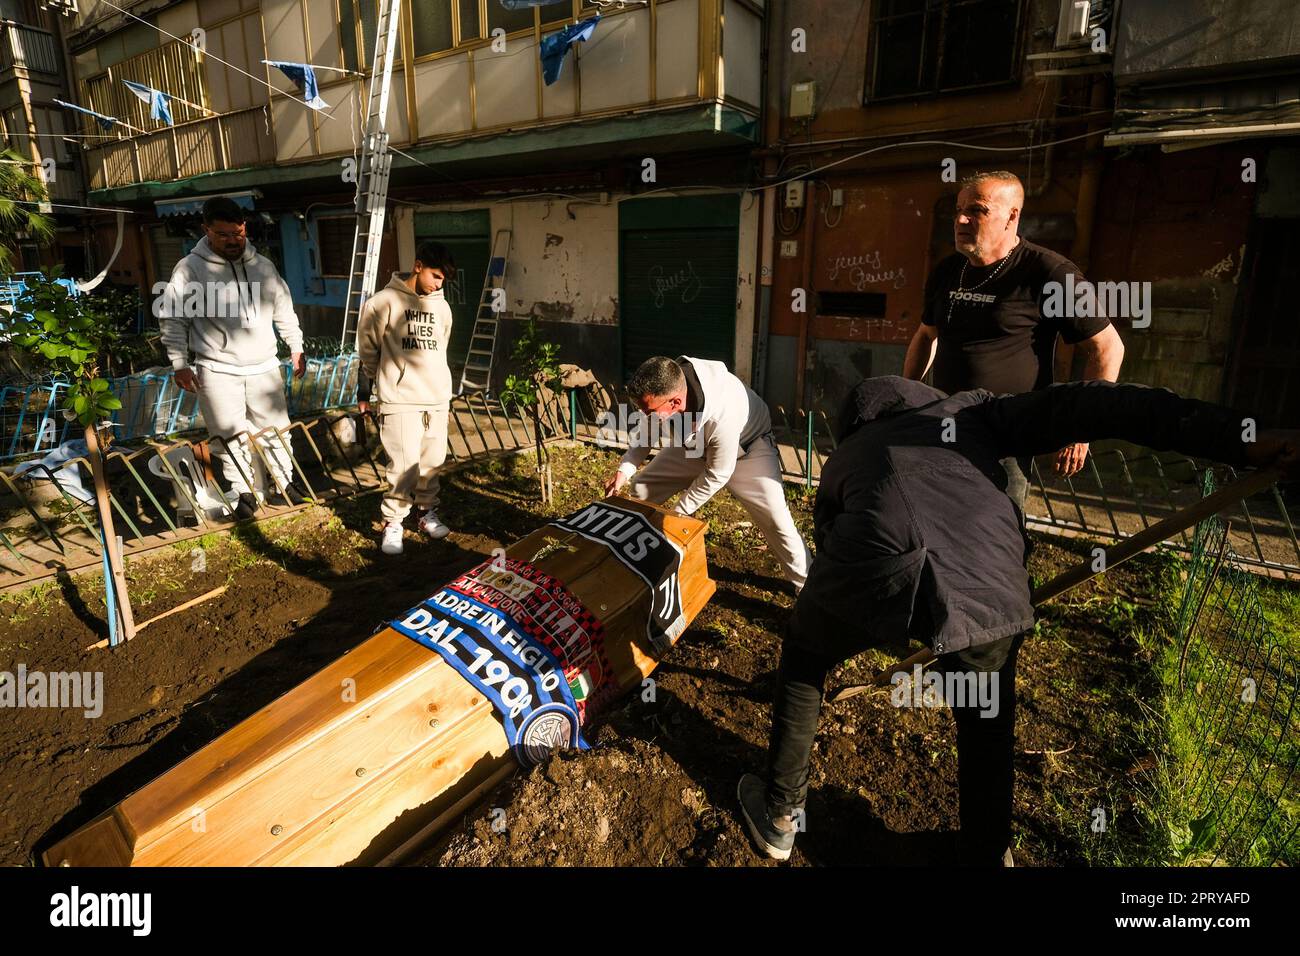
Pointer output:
12, 288
32, 420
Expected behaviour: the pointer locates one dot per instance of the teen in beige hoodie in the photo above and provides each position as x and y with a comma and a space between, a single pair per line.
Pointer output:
402, 340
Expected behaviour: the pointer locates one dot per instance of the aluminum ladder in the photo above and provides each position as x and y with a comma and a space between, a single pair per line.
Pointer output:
476, 375
372, 174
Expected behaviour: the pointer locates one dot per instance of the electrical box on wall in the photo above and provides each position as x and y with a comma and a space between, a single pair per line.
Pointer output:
803, 100
789, 248
794, 194
1072, 23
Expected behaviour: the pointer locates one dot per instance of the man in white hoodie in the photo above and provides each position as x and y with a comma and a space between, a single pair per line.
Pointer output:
402, 339
723, 440
225, 303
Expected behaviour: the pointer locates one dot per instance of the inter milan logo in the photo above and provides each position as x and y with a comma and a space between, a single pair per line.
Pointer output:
547, 729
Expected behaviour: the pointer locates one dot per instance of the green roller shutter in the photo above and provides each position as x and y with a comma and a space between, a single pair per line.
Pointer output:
467, 235
677, 278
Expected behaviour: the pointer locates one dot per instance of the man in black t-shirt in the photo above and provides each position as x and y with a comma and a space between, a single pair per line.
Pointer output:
984, 324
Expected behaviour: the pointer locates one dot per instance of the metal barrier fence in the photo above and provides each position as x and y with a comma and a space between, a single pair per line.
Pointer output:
1233, 725
1118, 493
160, 494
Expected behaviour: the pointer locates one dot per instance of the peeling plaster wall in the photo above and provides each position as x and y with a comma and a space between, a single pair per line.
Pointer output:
563, 259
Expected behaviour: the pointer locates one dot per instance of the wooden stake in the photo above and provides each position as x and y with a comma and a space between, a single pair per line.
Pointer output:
215, 592
110, 536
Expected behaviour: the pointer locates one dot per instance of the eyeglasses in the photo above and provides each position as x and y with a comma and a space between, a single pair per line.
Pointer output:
229, 236
664, 404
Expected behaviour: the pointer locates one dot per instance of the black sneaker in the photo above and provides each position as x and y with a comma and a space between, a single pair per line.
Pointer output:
292, 495
774, 837
247, 507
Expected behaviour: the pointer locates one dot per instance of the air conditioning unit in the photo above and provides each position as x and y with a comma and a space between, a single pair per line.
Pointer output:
66, 7
1072, 26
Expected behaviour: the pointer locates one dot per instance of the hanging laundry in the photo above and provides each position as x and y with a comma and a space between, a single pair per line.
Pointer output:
159, 102
105, 122
556, 46
304, 77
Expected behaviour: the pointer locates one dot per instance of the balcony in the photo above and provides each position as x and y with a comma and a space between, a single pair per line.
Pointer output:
231, 141
28, 48
682, 72
663, 56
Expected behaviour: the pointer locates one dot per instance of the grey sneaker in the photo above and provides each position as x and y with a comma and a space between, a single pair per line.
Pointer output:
772, 836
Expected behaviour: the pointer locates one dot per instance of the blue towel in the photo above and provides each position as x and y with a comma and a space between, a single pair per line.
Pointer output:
159, 103
556, 46
105, 122
304, 77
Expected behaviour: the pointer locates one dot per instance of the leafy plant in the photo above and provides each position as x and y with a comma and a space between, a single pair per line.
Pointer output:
540, 364
73, 336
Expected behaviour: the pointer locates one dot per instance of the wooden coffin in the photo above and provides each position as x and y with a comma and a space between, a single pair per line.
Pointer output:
324, 776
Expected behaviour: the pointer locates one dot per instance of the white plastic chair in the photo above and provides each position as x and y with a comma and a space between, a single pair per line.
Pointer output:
188, 470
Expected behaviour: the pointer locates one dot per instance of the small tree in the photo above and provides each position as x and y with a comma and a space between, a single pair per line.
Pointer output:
540, 365
73, 336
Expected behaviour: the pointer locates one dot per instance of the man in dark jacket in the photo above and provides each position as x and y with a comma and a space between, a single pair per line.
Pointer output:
916, 537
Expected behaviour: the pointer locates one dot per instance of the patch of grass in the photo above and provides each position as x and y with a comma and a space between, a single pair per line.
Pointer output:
1226, 790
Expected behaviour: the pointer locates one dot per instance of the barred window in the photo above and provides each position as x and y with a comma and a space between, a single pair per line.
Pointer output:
922, 47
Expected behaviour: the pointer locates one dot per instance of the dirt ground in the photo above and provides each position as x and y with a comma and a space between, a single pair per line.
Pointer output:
659, 786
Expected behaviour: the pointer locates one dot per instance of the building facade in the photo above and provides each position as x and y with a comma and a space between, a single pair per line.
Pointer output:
1165, 154
767, 184
622, 188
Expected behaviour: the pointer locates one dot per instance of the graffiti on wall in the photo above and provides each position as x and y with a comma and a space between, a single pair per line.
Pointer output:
867, 329
865, 269
683, 284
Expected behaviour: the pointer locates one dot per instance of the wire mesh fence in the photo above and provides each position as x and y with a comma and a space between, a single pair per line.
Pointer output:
1233, 727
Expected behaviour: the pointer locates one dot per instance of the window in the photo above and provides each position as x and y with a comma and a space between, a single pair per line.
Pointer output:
920, 47
855, 305
357, 22
557, 13
512, 21
435, 32
334, 235
470, 25
431, 23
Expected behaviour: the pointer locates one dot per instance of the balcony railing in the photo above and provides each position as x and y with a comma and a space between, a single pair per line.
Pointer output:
28, 47
229, 141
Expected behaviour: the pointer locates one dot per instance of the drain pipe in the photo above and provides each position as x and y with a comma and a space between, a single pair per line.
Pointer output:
1085, 214
805, 280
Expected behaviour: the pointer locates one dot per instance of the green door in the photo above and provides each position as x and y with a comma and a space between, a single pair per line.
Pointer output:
677, 278
467, 235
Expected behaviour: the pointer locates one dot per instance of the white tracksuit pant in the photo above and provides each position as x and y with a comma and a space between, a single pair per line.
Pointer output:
756, 483
416, 443
235, 404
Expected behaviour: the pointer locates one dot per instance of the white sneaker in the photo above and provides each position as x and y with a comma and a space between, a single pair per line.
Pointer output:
392, 542
432, 526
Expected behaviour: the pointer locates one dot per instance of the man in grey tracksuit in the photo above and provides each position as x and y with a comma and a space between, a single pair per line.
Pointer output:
225, 303
723, 440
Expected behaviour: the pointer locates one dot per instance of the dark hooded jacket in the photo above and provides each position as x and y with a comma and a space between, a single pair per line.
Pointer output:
915, 533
